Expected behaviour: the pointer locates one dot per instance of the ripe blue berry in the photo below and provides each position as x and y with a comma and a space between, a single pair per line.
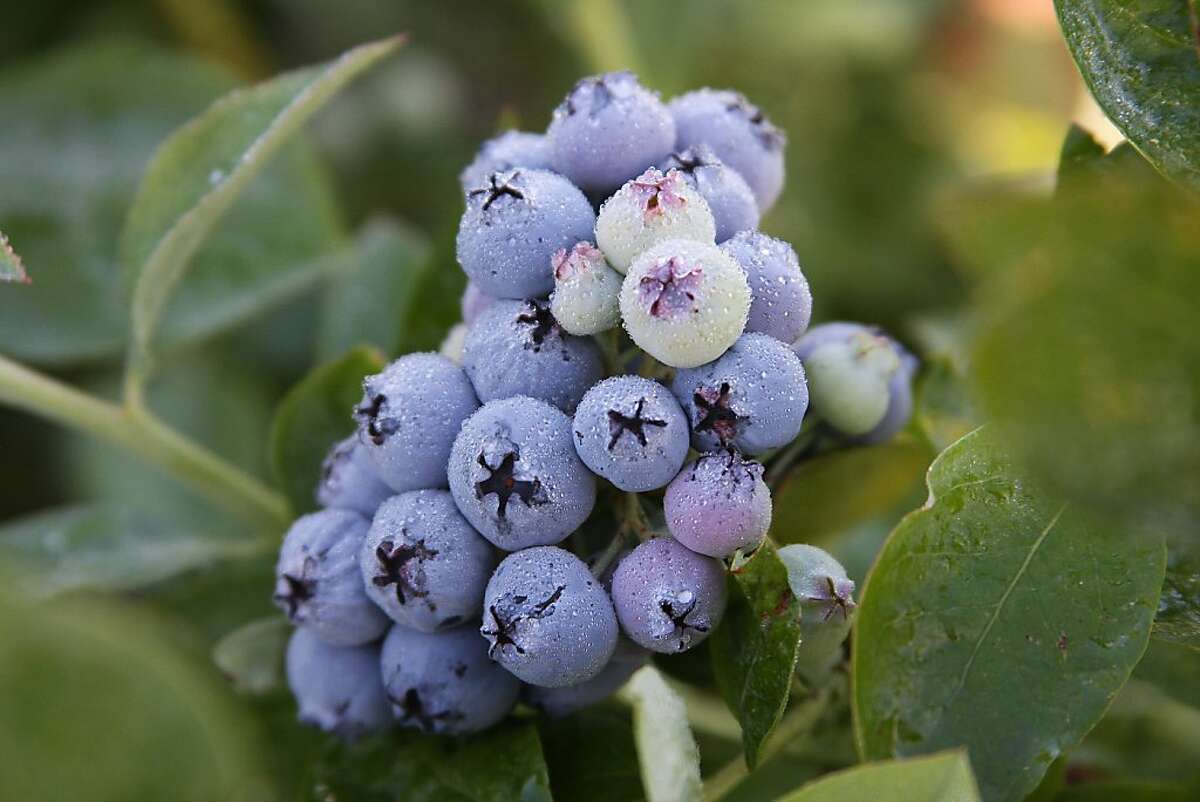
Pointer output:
515, 475
668, 598
473, 302
408, 417
753, 398
519, 348
684, 302
504, 152
547, 619
350, 480
782, 302
559, 702
719, 504
649, 209
443, 682
586, 290
826, 598
317, 581
337, 688
423, 564
607, 130
631, 431
514, 224
738, 133
728, 195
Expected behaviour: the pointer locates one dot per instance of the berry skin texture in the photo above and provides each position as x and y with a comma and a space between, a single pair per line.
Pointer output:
684, 302
782, 301
337, 688
753, 398
443, 682
607, 130
318, 583
547, 619
560, 702
514, 224
504, 152
409, 416
349, 479
826, 597
515, 476
423, 564
719, 504
473, 302
519, 348
649, 209
727, 194
668, 598
586, 290
632, 432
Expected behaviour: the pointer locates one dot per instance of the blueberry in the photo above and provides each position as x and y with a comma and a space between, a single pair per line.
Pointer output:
473, 302
826, 598
631, 431
728, 195
684, 302
337, 688
586, 290
668, 598
519, 348
443, 682
514, 224
649, 209
423, 564
408, 417
559, 702
859, 380
515, 476
317, 581
547, 619
350, 480
607, 130
738, 133
719, 504
504, 152
753, 398
782, 302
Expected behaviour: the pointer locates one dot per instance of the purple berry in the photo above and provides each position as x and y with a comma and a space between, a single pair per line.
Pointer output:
560, 702
719, 504
337, 688
728, 195
504, 152
474, 302
781, 304
350, 480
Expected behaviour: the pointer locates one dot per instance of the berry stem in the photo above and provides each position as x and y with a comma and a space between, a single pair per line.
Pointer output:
804, 446
633, 522
137, 430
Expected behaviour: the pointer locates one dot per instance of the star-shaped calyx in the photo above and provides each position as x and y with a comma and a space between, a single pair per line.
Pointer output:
715, 412
581, 259
676, 607
512, 610
504, 480
539, 324
379, 427
771, 137
669, 288
500, 185
656, 193
411, 708
403, 565
293, 590
635, 424
835, 596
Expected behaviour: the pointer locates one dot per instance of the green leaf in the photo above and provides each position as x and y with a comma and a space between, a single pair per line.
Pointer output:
667, 752
944, 777
12, 269
755, 646
1178, 618
106, 547
999, 619
1126, 792
592, 756
1142, 63
252, 655
314, 415
1173, 669
503, 764
1145, 735
204, 167
372, 301
1080, 152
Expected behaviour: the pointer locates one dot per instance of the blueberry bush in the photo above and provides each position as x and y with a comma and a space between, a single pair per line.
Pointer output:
493, 412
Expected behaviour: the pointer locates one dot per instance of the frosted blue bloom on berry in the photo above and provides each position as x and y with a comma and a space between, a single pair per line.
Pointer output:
443, 682
727, 194
504, 152
607, 130
409, 416
719, 504
547, 619
559, 702
514, 224
586, 290
631, 431
753, 398
519, 348
337, 688
649, 209
423, 564
317, 581
782, 302
473, 302
738, 133
826, 597
684, 302
515, 475
350, 480
668, 598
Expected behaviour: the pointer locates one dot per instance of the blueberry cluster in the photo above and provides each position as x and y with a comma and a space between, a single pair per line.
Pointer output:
626, 330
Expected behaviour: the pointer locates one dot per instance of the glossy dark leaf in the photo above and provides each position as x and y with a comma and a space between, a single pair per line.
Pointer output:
944, 777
